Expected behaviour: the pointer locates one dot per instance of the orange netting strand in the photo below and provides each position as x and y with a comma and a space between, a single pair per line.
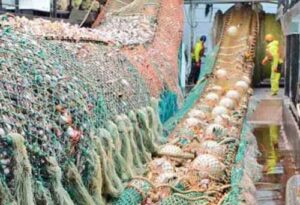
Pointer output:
161, 55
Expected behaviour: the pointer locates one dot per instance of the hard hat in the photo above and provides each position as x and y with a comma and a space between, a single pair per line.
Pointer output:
269, 38
203, 38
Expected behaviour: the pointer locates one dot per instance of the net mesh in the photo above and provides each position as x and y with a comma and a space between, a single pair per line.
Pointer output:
195, 93
205, 172
235, 196
59, 96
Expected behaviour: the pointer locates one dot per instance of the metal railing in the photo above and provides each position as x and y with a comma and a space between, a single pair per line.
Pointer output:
287, 4
292, 68
16, 8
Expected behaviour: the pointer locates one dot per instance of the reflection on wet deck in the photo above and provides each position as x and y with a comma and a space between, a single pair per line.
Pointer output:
278, 166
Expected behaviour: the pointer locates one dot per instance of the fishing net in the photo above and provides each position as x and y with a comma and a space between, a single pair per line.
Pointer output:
208, 178
194, 198
58, 96
137, 22
195, 93
246, 170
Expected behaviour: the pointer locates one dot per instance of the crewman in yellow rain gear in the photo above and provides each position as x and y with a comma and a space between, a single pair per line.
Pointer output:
272, 55
197, 54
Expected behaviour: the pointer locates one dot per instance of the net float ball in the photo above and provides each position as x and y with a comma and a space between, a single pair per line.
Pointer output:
242, 86
219, 110
192, 122
227, 102
246, 79
211, 99
232, 31
222, 120
221, 74
208, 165
195, 113
233, 94
217, 89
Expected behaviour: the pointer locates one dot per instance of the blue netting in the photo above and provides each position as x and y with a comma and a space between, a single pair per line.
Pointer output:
167, 105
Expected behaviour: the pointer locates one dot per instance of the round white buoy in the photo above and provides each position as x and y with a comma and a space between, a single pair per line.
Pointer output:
195, 113
217, 89
227, 102
232, 31
219, 110
233, 94
190, 122
208, 165
221, 74
213, 147
241, 86
246, 79
222, 120
211, 98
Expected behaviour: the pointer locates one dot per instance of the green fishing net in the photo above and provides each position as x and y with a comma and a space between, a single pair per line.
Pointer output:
237, 172
195, 93
193, 198
56, 96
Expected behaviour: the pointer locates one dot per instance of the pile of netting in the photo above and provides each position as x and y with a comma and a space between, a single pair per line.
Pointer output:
128, 30
203, 156
76, 121
157, 58
142, 36
119, 31
246, 171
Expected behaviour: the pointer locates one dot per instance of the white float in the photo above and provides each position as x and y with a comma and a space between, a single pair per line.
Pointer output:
219, 110
232, 31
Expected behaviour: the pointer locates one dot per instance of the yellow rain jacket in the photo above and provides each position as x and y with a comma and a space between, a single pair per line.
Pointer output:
198, 51
193, 56
273, 54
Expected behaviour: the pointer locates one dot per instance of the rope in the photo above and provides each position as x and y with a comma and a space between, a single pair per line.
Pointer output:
87, 13
195, 198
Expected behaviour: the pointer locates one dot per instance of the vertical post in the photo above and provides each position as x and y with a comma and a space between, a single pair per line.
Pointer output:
54, 9
70, 5
1, 5
288, 67
17, 8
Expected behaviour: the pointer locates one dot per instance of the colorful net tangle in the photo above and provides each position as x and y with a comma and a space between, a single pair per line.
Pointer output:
157, 65
194, 166
69, 136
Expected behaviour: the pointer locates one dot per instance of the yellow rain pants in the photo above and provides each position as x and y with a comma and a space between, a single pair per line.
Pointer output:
272, 158
267, 138
275, 77
273, 51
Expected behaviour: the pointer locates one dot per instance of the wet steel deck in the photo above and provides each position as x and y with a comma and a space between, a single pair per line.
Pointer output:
271, 120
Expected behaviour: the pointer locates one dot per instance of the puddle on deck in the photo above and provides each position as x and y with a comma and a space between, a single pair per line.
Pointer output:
279, 166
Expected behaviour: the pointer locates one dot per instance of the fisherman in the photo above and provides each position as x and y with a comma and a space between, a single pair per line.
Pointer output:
273, 56
197, 54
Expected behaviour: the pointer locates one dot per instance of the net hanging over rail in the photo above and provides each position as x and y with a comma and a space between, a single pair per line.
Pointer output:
70, 115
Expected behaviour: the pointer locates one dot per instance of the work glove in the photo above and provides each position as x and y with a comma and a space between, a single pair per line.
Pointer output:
265, 61
276, 70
